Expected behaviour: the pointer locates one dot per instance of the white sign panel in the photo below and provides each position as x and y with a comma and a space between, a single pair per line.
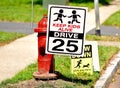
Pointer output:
66, 30
95, 56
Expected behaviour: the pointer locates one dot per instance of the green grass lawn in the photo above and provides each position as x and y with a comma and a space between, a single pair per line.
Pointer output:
90, 5
21, 10
7, 37
63, 64
64, 69
103, 38
113, 20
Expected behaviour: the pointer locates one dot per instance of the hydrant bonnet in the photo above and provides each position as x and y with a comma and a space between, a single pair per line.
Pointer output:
42, 25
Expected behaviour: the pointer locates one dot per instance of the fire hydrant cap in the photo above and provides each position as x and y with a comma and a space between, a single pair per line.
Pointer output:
42, 25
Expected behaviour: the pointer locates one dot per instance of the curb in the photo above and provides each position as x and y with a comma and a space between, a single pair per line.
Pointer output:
105, 79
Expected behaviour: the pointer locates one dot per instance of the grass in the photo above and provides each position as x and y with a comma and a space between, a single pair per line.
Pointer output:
90, 5
62, 64
84, 80
7, 37
105, 56
113, 20
21, 10
25, 74
103, 38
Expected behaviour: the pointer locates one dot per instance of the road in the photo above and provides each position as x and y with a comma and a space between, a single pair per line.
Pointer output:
27, 28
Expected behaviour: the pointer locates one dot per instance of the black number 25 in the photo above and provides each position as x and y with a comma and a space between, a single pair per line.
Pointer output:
70, 43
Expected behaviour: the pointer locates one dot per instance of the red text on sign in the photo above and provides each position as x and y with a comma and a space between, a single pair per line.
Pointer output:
59, 25
74, 26
65, 29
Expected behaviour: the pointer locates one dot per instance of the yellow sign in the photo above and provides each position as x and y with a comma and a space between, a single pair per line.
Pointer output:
83, 64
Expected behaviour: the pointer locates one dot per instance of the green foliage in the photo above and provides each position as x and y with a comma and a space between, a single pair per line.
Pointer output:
39, 2
20, 2
104, 2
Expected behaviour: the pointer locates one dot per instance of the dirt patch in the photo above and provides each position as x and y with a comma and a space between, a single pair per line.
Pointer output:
2, 44
59, 83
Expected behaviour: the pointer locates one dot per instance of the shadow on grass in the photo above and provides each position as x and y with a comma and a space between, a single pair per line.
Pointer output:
74, 80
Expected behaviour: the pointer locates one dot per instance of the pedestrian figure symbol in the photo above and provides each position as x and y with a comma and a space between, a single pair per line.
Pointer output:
60, 15
78, 64
74, 17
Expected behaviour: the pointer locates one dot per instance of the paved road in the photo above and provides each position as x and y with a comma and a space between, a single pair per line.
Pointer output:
27, 28
107, 30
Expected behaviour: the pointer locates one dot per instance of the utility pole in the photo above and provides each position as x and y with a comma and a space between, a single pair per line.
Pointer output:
97, 18
32, 14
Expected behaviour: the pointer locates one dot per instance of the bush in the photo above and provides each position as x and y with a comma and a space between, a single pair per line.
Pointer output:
104, 2
39, 2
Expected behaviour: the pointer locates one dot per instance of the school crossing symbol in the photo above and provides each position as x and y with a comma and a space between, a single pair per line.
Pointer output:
73, 16
66, 30
59, 16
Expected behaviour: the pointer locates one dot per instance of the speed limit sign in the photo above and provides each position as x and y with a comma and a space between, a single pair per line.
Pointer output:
66, 30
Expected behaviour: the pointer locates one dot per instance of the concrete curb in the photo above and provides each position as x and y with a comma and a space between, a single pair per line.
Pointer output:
105, 79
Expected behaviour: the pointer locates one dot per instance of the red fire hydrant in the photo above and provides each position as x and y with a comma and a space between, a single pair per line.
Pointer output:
45, 61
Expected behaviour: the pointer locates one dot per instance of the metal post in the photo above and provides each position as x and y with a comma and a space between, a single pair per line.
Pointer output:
97, 18
32, 14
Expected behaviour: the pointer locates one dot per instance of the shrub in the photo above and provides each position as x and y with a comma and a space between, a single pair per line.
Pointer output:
104, 2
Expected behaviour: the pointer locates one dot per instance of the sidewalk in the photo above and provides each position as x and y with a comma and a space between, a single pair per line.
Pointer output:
17, 55
20, 53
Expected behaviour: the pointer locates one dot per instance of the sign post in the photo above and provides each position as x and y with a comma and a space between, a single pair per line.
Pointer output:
66, 30
97, 17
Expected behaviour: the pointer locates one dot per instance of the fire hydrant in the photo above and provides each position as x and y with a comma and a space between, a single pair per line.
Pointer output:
45, 61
